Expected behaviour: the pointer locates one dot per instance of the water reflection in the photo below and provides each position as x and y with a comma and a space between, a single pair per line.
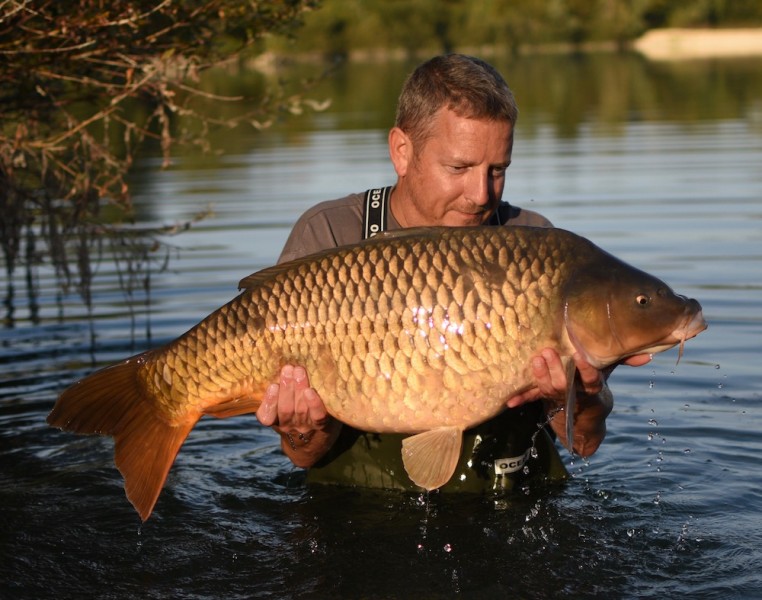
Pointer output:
73, 252
669, 181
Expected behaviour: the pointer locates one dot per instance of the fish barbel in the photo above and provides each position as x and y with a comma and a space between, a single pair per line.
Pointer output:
426, 331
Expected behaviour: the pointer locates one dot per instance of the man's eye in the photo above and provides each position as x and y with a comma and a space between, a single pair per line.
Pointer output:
498, 171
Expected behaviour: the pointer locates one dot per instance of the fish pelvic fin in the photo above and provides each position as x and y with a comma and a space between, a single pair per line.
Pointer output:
430, 457
111, 402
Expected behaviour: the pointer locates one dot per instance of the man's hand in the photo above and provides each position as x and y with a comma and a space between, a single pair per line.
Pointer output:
293, 409
550, 377
594, 400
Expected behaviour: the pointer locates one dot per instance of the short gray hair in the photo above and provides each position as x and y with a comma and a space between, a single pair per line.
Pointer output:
464, 84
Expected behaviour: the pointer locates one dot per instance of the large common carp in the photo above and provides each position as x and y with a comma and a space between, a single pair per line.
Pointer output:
425, 331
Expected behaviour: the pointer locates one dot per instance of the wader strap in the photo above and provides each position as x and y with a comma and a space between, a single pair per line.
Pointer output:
375, 210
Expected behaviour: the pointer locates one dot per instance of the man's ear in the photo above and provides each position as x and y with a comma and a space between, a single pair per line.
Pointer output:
400, 150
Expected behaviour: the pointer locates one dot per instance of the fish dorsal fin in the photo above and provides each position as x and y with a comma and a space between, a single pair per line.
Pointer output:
429, 231
430, 457
256, 279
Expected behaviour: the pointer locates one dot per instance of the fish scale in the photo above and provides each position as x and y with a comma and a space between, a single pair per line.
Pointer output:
427, 330
452, 363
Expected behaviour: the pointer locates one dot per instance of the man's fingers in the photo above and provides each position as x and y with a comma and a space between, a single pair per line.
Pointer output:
523, 398
315, 408
301, 381
292, 403
267, 412
638, 360
553, 381
590, 378
286, 396
301, 385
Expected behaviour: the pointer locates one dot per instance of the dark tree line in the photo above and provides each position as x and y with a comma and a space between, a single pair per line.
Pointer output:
417, 26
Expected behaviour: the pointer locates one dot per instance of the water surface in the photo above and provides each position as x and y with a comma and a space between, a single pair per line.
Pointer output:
658, 163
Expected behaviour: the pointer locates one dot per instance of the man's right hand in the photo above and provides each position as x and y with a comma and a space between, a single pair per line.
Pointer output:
295, 410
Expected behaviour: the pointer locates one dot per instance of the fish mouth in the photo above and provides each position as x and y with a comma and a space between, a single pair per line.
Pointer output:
693, 324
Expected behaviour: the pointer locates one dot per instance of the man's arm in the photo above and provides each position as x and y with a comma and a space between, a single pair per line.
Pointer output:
594, 399
293, 409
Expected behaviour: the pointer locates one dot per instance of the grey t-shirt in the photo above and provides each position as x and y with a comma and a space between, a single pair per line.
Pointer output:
339, 222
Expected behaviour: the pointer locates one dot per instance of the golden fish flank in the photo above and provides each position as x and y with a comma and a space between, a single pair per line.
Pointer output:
421, 331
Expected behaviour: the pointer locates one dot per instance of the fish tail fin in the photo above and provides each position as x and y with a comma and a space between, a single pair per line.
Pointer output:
111, 402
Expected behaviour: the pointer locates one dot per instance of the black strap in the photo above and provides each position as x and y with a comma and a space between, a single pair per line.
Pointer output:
375, 211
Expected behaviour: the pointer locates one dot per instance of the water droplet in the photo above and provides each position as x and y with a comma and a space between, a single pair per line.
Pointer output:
630, 532
447, 548
687, 451
653, 422
651, 384
533, 452
716, 366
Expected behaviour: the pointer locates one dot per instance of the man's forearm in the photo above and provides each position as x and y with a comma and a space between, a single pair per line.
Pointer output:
589, 421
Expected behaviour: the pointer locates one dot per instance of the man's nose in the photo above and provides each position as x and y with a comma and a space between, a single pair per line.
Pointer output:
478, 187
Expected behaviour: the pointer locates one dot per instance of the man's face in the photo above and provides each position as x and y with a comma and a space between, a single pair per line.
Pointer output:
456, 175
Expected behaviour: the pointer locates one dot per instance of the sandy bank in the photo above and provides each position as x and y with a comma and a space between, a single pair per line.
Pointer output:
676, 44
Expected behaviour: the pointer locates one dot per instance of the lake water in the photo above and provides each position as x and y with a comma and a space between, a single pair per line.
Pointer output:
659, 163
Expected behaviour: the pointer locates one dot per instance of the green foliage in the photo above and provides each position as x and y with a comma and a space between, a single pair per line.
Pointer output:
415, 26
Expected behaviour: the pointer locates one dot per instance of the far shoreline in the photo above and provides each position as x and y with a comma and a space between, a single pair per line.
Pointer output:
656, 44
692, 44
670, 44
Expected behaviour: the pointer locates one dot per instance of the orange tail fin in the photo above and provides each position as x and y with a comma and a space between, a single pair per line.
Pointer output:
110, 402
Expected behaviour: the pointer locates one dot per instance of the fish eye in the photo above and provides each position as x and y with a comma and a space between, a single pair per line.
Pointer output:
642, 300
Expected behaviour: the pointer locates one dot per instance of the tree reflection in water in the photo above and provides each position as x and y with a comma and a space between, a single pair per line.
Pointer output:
81, 93
51, 236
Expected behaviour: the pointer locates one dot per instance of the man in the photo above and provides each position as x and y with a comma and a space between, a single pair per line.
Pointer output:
451, 146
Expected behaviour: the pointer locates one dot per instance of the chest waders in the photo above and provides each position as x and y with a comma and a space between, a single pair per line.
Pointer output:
500, 455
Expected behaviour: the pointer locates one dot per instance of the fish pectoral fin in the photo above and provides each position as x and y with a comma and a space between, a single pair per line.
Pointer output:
571, 400
430, 457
